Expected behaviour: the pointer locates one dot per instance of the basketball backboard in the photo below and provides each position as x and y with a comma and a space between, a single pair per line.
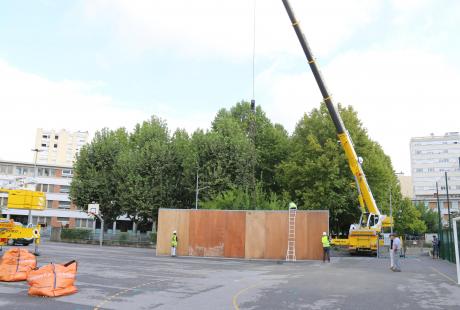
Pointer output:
93, 208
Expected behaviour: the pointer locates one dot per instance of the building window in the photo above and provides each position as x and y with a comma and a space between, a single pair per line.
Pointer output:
419, 170
3, 201
45, 136
67, 173
64, 204
83, 223
46, 172
64, 189
63, 219
55, 145
6, 169
49, 204
56, 137
20, 170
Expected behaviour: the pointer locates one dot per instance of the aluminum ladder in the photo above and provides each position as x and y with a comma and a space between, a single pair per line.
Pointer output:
290, 253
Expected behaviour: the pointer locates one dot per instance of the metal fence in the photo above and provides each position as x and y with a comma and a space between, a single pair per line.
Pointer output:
447, 247
84, 236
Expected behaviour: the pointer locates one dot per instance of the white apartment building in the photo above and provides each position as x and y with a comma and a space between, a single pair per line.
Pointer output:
55, 182
431, 157
58, 147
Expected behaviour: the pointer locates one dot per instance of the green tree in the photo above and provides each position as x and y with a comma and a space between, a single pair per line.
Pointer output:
94, 179
408, 218
429, 217
271, 141
317, 174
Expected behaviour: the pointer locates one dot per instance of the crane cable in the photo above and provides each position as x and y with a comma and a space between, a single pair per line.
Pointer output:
253, 53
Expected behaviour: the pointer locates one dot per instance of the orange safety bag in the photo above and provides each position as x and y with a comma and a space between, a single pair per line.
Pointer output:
16, 264
53, 280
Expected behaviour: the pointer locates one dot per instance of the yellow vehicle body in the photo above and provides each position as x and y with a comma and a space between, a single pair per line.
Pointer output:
9, 230
25, 199
21, 199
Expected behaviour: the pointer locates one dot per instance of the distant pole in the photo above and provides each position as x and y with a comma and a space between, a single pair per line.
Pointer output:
196, 191
439, 212
449, 234
448, 203
391, 214
36, 150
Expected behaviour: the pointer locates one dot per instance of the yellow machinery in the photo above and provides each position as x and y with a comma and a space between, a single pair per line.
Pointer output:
21, 199
364, 235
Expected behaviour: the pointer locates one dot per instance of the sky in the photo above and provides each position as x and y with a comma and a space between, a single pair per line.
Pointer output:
89, 64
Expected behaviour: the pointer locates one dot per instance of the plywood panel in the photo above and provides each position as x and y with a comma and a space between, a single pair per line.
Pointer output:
206, 233
317, 222
168, 221
183, 232
234, 234
301, 235
276, 228
166, 224
255, 234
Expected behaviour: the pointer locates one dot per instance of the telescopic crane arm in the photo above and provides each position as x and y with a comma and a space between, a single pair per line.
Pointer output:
365, 195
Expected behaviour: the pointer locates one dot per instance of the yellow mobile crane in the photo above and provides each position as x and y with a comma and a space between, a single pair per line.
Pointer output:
364, 235
21, 199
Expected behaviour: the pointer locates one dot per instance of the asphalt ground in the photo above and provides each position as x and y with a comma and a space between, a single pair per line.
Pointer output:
131, 278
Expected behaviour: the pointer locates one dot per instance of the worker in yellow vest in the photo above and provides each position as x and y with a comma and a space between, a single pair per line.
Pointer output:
174, 241
326, 247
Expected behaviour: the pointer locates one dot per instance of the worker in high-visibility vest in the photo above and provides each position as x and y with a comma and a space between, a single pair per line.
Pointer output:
174, 241
326, 247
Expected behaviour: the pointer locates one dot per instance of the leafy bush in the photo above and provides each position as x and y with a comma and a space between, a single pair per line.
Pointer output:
123, 237
153, 237
240, 199
75, 234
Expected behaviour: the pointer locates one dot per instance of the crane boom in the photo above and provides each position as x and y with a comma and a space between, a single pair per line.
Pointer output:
364, 190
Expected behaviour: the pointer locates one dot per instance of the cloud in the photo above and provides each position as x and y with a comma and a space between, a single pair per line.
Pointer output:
398, 94
209, 28
30, 101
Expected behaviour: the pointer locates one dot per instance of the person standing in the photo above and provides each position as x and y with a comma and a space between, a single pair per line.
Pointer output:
174, 242
396, 250
435, 243
392, 264
326, 247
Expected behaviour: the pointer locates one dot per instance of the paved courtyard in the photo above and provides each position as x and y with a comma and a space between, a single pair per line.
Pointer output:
130, 278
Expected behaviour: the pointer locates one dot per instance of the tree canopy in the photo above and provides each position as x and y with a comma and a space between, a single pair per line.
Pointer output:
244, 161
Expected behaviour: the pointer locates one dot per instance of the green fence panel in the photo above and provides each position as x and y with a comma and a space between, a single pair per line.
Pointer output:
447, 249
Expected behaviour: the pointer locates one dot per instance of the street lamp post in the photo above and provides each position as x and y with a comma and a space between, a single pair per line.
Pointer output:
36, 150
197, 191
449, 237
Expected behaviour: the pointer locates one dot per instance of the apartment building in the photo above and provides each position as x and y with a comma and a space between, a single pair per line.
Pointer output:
431, 157
54, 180
405, 182
58, 147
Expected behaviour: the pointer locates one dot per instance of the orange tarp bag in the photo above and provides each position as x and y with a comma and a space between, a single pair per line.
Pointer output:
16, 264
53, 280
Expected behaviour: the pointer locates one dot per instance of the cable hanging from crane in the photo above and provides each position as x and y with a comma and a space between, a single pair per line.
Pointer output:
253, 100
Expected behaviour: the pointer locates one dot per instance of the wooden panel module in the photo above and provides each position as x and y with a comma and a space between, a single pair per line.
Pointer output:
276, 234
301, 235
255, 234
317, 223
234, 233
168, 221
206, 229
